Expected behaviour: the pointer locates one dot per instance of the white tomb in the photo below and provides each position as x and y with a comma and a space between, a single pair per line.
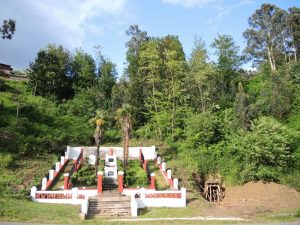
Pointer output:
92, 160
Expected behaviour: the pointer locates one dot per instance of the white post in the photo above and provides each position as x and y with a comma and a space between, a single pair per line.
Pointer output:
33, 192
85, 205
163, 166
133, 205
158, 160
183, 197
44, 184
51, 174
57, 166
74, 194
175, 184
66, 154
169, 174
62, 160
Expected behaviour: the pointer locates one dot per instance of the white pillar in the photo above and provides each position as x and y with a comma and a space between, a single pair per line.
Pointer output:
51, 174
175, 184
62, 160
66, 155
163, 166
133, 205
74, 194
33, 191
57, 166
44, 184
85, 205
169, 174
158, 160
183, 197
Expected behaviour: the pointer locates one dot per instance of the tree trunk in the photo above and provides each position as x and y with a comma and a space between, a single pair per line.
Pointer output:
126, 136
271, 58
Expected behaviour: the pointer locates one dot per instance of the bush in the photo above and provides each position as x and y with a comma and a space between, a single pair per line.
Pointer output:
85, 176
135, 175
5, 160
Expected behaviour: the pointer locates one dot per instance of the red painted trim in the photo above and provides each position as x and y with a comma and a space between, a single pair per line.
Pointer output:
120, 183
152, 183
66, 181
99, 183
170, 181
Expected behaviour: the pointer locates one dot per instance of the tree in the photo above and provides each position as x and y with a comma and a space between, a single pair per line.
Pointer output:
162, 64
294, 26
136, 85
8, 28
276, 95
266, 35
107, 75
240, 107
83, 68
267, 150
123, 116
228, 64
200, 77
50, 74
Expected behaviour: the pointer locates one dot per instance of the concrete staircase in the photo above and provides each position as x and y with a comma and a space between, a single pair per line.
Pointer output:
109, 204
110, 184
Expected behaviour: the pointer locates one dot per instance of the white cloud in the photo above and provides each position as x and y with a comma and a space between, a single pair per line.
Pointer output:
223, 10
189, 3
75, 18
72, 23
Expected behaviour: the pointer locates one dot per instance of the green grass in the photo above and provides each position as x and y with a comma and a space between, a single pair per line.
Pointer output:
160, 181
12, 209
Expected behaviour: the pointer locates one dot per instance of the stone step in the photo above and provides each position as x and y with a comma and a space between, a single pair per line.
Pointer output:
110, 199
99, 210
110, 207
108, 215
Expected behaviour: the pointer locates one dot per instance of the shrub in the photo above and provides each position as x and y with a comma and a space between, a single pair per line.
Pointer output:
86, 175
135, 175
5, 160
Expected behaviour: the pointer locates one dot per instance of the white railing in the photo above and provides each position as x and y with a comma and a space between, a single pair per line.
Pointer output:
141, 198
134, 152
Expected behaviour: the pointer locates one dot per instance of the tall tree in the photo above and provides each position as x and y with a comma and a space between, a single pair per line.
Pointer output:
136, 82
240, 107
200, 77
162, 63
123, 116
228, 64
107, 75
8, 28
50, 74
294, 26
266, 35
84, 68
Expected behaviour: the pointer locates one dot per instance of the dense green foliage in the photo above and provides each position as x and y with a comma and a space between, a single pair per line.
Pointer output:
85, 176
135, 175
212, 117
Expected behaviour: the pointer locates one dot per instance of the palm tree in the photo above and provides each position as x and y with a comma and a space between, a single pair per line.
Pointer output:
99, 121
123, 116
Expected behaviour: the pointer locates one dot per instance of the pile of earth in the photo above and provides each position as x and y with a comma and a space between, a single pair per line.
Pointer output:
255, 198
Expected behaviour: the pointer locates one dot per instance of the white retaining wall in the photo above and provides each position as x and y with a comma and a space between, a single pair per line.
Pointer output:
151, 198
134, 152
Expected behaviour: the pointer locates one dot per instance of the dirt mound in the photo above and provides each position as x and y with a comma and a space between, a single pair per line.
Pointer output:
269, 195
255, 198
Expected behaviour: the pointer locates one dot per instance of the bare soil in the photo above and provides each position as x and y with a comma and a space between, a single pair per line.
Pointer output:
255, 198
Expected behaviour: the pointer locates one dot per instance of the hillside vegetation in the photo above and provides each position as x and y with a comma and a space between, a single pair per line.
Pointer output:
205, 117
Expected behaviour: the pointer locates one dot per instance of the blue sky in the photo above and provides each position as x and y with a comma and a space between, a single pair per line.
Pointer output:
87, 23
